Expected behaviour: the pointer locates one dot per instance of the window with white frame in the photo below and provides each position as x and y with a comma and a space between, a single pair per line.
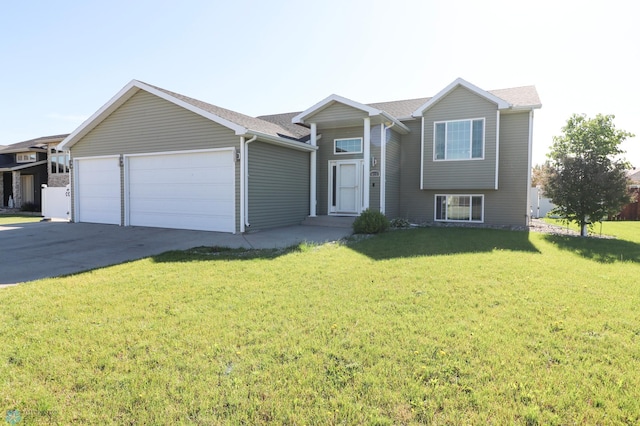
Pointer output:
59, 161
26, 157
459, 208
347, 146
458, 140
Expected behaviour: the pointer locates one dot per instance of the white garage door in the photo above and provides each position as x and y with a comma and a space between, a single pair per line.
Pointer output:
98, 190
190, 190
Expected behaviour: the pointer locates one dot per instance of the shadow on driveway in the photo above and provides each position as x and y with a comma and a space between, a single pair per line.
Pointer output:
37, 250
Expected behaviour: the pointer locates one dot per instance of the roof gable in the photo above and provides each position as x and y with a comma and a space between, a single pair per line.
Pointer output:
239, 123
330, 100
459, 82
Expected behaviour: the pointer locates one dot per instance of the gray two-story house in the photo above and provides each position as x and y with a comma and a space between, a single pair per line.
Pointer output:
151, 157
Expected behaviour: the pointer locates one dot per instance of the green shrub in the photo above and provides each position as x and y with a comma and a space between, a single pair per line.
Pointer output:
370, 222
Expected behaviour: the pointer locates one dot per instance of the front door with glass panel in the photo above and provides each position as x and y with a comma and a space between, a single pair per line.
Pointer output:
345, 187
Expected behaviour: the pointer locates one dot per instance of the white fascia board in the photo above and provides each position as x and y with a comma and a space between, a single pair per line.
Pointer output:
124, 95
401, 128
501, 103
238, 129
90, 123
326, 102
287, 143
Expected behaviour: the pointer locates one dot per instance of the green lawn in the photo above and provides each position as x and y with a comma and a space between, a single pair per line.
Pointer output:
12, 219
426, 326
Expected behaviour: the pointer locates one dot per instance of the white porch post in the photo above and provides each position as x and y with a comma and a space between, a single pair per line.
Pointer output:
367, 162
313, 172
243, 189
383, 167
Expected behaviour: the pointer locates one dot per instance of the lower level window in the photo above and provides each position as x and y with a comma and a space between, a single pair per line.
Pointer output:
460, 208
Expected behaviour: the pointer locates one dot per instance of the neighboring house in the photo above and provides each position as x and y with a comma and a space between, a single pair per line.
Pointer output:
26, 166
632, 210
151, 157
540, 205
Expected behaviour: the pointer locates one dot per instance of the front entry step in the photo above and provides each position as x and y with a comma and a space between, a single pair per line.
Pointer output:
331, 221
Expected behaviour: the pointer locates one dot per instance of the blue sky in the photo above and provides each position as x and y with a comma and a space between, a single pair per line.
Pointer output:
62, 60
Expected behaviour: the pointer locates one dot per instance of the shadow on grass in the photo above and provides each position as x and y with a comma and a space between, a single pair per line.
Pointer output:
442, 241
598, 249
389, 245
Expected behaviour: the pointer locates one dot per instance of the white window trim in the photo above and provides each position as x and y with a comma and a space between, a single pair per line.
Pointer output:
471, 120
54, 153
435, 208
20, 157
347, 153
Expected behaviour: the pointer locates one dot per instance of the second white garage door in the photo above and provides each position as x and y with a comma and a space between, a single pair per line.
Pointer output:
187, 190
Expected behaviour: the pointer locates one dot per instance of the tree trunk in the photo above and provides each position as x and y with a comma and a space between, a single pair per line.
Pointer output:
583, 229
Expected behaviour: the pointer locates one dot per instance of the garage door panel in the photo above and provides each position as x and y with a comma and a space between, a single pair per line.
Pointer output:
98, 190
177, 191
196, 207
184, 176
183, 191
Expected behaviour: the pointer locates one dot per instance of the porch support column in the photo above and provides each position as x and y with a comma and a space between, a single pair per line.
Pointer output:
313, 172
383, 167
1, 189
367, 162
17, 193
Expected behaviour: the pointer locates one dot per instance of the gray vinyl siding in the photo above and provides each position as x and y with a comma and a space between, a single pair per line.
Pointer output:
374, 182
460, 104
146, 123
325, 153
506, 206
392, 190
278, 186
336, 112
511, 207
413, 201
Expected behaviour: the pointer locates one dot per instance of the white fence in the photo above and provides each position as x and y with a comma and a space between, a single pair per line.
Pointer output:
540, 205
56, 202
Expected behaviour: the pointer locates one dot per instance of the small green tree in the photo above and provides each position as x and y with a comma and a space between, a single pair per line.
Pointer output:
586, 180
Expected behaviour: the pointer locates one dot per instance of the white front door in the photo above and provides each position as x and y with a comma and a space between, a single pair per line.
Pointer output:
345, 192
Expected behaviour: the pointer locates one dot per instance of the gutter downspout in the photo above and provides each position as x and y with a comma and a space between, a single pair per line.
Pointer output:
313, 172
367, 161
383, 167
529, 160
244, 182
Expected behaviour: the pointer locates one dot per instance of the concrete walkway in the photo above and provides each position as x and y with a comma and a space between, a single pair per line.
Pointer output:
37, 250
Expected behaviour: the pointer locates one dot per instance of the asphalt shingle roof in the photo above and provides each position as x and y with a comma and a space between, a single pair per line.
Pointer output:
281, 124
40, 142
251, 123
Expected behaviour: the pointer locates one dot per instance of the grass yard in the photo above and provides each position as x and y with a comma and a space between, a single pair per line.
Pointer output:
620, 229
426, 326
12, 219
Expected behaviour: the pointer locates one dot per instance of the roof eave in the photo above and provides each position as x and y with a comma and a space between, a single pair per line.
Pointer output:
23, 166
501, 103
277, 140
328, 101
398, 125
124, 95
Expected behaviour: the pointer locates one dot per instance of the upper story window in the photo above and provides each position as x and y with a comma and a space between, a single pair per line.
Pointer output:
459, 140
59, 161
347, 146
26, 157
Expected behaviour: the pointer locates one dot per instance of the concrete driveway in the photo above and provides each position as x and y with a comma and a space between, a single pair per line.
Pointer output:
37, 250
